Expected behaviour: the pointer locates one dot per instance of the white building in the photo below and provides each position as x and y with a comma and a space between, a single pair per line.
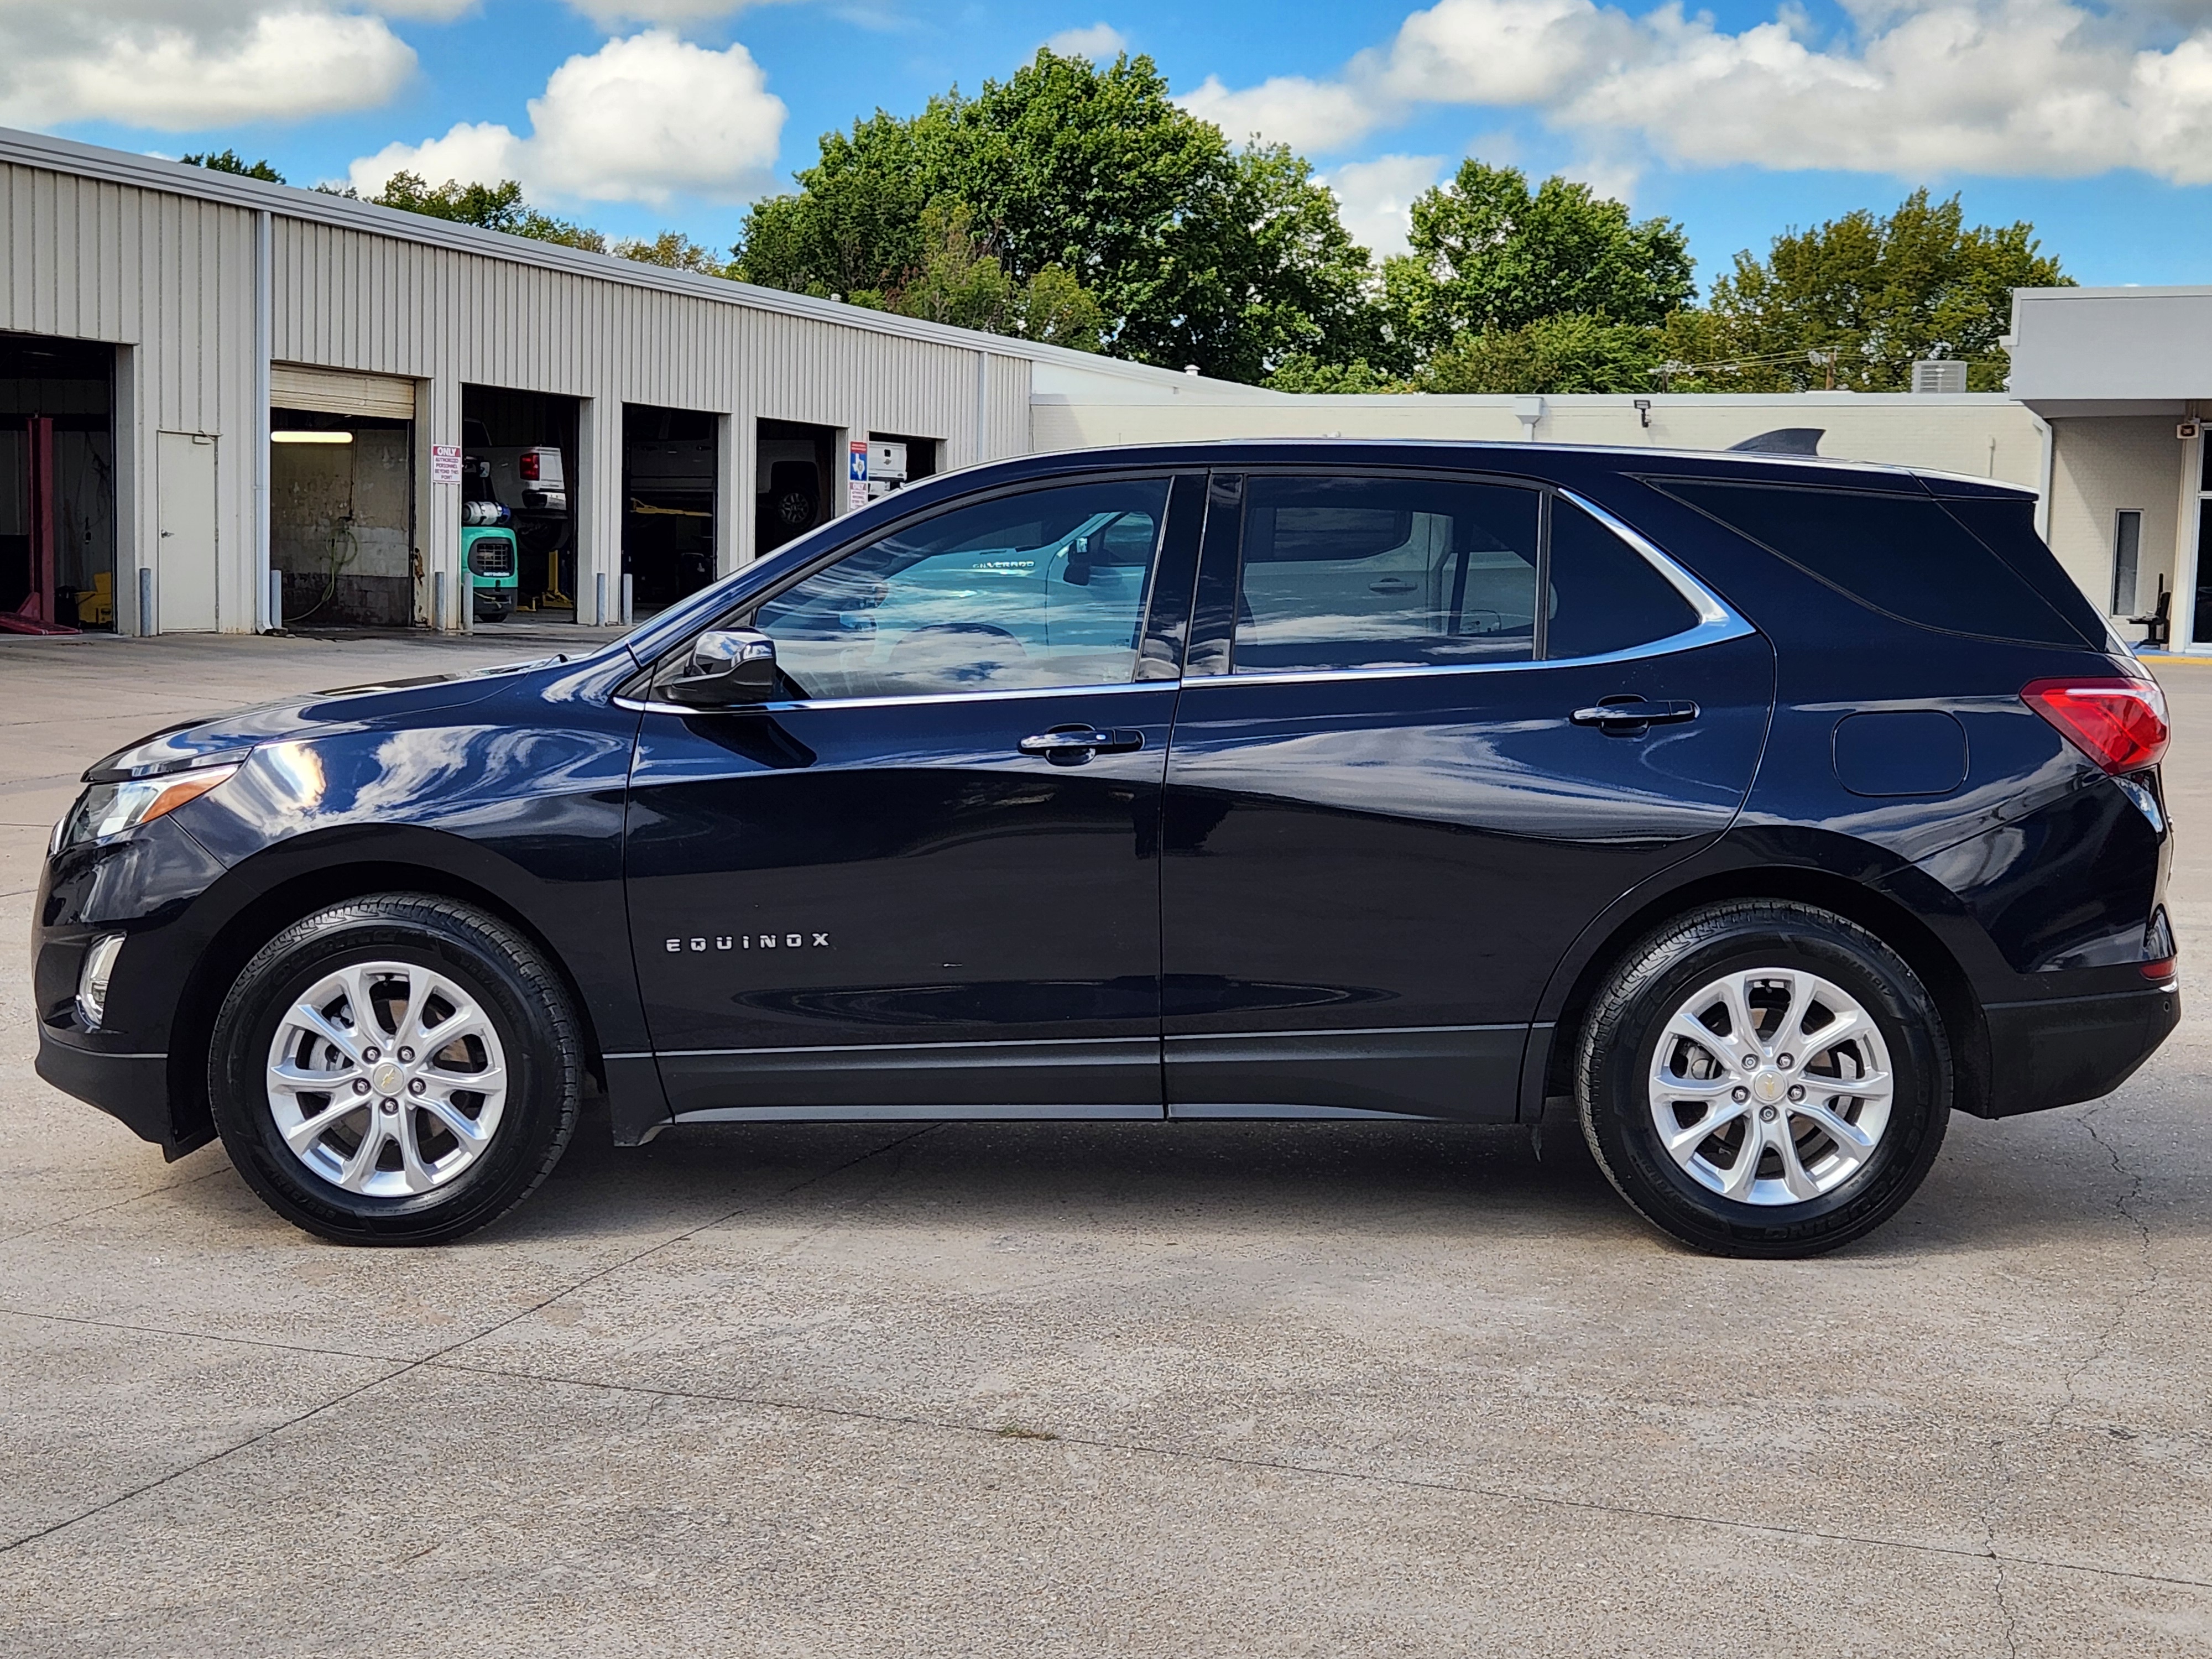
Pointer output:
2122, 376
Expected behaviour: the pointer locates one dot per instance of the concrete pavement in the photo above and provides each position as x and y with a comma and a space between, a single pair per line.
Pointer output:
1106, 1388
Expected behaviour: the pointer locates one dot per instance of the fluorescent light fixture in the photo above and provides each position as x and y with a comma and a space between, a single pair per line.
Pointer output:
311, 437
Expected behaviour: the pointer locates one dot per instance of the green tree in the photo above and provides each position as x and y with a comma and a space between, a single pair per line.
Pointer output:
962, 281
672, 249
230, 161
494, 207
1570, 352
1302, 372
1196, 251
1860, 299
1488, 254
854, 227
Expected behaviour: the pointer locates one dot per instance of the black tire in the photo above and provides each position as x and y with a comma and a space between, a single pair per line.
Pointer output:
1656, 977
510, 980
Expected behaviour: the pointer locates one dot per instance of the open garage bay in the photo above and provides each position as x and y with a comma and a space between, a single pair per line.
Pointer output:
1210, 1387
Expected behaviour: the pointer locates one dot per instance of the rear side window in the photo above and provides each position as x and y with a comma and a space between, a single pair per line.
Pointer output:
1605, 596
2007, 528
1900, 554
1384, 572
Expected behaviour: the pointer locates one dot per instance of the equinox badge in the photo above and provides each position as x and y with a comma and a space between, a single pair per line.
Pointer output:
753, 942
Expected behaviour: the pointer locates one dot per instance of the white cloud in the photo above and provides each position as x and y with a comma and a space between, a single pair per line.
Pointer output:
1910, 87
640, 119
1098, 40
1309, 116
182, 65
479, 152
1376, 197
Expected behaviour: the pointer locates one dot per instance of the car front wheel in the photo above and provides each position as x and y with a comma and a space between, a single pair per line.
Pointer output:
400, 1069
1764, 1078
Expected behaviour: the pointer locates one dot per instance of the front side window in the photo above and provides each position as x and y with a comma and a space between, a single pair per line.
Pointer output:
1043, 588
1384, 572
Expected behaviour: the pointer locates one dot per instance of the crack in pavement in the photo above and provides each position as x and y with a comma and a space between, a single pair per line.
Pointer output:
592, 1278
2123, 1207
119, 1204
2063, 1409
1413, 1483
2004, 1601
442, 1360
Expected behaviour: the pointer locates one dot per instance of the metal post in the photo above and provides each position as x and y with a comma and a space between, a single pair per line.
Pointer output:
982, 406
599, 598
627, 594
263, 237
275, 601
146, 629
438, 601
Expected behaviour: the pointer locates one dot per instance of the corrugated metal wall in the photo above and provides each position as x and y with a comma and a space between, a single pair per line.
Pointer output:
169, 279
448, 317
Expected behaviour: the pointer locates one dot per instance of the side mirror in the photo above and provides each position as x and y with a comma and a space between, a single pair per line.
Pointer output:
1077, 574
727, 668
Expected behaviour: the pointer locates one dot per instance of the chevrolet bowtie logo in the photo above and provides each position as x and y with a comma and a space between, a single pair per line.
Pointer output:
751, 942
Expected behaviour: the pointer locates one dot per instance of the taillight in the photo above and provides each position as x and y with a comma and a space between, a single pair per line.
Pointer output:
530, 464
2119, 724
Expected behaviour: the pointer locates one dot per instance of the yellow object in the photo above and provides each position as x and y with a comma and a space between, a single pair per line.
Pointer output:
95, 605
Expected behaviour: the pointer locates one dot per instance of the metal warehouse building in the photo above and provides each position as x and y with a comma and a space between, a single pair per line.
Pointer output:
225, 404
209, 378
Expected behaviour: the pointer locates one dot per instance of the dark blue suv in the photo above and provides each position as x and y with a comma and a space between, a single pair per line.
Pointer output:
1771, 811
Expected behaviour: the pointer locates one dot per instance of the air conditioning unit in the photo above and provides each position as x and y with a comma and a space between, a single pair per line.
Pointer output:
1939, 374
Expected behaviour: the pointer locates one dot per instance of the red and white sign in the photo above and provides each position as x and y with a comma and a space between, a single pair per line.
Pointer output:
445, 463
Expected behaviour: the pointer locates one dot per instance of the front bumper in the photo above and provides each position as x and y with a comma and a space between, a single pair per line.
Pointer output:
133, 1088
2057, 1052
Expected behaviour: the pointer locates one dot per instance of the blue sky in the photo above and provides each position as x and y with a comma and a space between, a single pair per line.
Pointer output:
1737, 121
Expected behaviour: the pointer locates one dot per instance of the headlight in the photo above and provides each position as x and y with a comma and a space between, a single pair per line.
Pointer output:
109, 808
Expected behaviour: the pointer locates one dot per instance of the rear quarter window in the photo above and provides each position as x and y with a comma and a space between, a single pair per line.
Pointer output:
1906, 555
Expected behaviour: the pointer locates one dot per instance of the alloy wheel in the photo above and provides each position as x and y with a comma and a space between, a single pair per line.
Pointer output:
387, 1079
1771, 1086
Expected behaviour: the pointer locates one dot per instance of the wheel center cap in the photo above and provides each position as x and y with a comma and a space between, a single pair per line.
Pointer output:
1768, 1086
389, 1079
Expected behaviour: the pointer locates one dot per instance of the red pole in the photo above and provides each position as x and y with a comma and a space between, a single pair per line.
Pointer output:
36, 613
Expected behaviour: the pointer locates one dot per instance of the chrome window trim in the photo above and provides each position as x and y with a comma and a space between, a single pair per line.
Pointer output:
1703, 599
1005, 695
1716, 623
1728, 626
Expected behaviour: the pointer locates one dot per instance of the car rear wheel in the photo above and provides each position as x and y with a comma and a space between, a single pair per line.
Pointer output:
401, 1069
1764, 1078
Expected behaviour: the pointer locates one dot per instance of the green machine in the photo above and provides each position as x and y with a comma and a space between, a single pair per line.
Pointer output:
490, 556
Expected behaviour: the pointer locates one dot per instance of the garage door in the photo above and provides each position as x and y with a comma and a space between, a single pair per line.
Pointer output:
340, 392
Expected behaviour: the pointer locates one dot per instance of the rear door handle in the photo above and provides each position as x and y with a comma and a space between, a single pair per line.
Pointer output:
1626, 716
1072, 744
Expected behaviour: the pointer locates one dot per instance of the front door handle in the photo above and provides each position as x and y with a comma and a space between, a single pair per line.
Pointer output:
1626, 717
1070, 745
